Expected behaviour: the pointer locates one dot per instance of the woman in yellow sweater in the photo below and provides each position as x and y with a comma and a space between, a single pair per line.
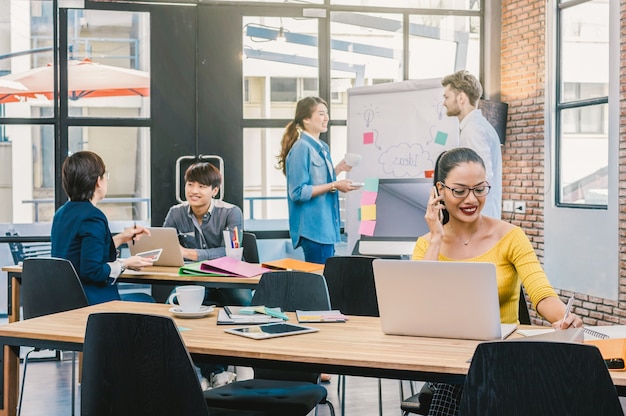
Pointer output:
458, 232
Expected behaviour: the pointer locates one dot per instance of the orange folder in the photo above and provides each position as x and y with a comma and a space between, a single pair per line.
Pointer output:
293, 264
613, 351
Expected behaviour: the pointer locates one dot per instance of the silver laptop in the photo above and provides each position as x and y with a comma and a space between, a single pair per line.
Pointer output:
439, 299
163, 238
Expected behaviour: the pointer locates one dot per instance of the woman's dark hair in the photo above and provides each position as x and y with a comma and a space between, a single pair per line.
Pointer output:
449, 160
204, 173
304, 109
80, 173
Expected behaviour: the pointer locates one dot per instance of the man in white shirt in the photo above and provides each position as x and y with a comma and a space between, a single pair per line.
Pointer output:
461, 95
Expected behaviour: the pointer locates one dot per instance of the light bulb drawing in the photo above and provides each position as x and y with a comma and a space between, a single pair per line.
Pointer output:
368, 116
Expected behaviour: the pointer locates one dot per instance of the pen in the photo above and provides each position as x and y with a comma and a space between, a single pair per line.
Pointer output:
236, 238
568, 308
134, 228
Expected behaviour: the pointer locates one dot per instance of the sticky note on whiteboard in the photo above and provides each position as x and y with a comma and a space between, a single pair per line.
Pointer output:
368, 212
368, 197
367, 228
371, 185
441, 138
368, 137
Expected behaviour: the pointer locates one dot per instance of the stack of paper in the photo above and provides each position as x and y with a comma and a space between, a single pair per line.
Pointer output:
321, 316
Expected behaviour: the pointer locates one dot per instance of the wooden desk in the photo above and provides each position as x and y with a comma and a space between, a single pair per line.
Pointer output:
357, 347
149, 275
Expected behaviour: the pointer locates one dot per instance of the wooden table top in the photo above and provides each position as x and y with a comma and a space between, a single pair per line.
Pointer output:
164, 274
357, 347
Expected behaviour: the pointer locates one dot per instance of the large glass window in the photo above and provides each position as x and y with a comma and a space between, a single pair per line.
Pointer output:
280, 65
108, 68
364, 47
582, 103
108, 79
441, 45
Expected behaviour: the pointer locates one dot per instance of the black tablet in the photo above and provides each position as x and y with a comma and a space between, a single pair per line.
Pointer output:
274, 330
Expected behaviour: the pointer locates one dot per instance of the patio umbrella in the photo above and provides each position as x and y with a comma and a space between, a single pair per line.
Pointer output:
10, 88
86, 79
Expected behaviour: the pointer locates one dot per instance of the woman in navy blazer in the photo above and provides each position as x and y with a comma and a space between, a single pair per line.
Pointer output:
80, 231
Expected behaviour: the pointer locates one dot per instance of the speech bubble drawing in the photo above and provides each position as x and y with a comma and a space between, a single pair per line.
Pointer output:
405, 160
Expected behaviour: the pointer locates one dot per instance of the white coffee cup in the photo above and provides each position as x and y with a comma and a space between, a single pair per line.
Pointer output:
189, 297
352, 159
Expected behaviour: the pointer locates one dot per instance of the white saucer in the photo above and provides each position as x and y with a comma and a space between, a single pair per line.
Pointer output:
204, 311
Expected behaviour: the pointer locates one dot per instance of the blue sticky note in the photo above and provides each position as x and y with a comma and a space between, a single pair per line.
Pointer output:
441, 138
371, 184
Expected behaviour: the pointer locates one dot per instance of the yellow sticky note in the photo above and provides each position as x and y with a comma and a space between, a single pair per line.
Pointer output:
368, 212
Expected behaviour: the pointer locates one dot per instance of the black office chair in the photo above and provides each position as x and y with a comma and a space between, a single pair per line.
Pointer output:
136, 365
538, 378
49, 285
351, 287
420, 403
250, 248
279, 392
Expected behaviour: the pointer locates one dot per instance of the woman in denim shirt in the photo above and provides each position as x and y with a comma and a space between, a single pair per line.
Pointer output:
312, 182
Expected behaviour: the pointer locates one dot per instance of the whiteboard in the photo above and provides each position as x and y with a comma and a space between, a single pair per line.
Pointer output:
399, 129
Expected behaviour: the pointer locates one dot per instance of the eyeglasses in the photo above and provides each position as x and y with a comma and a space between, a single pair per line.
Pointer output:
479, 191
108, 175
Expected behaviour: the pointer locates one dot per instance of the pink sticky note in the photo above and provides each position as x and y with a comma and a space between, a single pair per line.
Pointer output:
367, 228
368, 137
368, 197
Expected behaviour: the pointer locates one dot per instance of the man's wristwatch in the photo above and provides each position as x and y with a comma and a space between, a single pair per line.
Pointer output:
333, 188
122, 267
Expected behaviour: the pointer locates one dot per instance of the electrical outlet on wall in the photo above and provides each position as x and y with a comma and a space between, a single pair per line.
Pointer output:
507, 205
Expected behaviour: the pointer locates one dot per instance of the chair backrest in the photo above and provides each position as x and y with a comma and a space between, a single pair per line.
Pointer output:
523, 315
250, 248
137, 364
50, 285
538, 378
351, 286
291, 290
22, 251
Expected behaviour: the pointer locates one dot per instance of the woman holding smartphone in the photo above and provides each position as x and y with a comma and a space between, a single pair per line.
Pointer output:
312, 183
459, 232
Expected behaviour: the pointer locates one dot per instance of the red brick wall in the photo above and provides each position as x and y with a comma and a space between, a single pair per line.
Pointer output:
523, 72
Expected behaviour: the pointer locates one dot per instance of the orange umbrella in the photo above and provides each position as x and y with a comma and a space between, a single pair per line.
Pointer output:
9, 89
86, 79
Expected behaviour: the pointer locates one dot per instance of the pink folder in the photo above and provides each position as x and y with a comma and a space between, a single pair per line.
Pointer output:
233, 266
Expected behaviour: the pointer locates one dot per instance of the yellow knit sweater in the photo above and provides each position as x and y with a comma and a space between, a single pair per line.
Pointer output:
515, 260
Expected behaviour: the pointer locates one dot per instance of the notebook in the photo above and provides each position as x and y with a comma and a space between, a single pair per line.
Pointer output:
439, 299
163, 238
590, 332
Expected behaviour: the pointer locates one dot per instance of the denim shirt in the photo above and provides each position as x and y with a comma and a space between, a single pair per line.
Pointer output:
317, 219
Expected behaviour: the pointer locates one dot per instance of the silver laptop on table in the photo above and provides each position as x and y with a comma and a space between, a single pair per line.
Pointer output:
164, 239
439, 299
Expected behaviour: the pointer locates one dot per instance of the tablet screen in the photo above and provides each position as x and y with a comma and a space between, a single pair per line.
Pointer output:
271, 330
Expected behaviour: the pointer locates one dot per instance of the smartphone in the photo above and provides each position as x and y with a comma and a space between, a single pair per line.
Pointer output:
440, 211
358, 184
